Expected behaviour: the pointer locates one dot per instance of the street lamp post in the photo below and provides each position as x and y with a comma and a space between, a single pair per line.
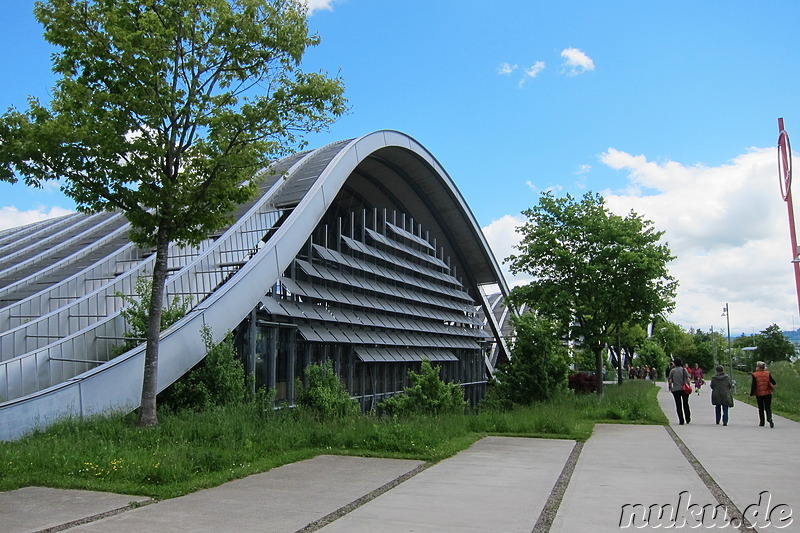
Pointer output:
714, 338
726, 314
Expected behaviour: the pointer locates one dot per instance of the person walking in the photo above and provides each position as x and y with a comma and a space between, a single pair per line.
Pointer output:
762, 388
721, 395
679, 378
697, 373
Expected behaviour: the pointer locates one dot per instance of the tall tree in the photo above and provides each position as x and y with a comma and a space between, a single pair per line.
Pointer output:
591, 270
165, 109
773, 345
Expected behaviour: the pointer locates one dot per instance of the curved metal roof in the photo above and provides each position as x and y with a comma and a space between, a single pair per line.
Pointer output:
46, 366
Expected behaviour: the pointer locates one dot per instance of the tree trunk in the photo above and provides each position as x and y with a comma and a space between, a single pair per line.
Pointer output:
598, 360
147, 412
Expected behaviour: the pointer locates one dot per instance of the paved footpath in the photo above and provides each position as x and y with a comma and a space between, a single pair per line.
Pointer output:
619, 479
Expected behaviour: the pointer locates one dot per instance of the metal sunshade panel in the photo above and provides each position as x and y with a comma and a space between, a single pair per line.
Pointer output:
406, 249
308, 268
310, 290
410, 236
336, 257
323, 334
347, 316
314, 312
272, 306
309, 333
292, 309
295, 288
393, 355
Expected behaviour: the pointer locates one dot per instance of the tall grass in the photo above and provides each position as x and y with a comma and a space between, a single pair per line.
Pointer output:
194, 450
786, 398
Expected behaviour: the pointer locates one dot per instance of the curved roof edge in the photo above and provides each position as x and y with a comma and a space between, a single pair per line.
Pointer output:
355, 151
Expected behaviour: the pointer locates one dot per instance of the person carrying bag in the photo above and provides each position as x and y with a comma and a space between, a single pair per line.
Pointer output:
679, 383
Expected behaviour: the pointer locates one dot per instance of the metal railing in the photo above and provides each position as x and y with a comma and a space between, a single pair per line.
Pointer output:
79, 335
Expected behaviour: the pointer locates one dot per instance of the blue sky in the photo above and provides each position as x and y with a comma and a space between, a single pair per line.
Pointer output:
666, 108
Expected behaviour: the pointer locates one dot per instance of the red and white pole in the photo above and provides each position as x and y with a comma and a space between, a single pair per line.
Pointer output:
785, 179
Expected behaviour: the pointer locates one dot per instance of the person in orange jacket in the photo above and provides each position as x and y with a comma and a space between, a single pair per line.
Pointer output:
762, 387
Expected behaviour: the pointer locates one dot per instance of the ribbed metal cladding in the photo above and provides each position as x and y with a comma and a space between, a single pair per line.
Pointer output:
383, 291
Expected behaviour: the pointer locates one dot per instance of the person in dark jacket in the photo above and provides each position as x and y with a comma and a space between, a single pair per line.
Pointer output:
721, 396
762, 388
678, 377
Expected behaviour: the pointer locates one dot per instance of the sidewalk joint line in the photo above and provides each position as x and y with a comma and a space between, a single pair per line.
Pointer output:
716, 491
550, 508
96, 517
355, 504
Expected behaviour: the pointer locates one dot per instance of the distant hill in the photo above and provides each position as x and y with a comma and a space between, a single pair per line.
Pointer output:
793, 336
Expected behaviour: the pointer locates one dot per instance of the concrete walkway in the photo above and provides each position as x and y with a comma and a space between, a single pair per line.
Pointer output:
620, 478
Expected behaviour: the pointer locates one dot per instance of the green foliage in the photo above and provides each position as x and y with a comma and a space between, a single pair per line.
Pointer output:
652, 354
538, 368
695, 347
591, 269
668, 336
217, 380
427, 394
583, 358
136, 314
773, 345
325, 396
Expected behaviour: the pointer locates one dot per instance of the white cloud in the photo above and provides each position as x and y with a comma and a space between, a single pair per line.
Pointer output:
505, 68
317, 5
583, 169
532, 72
727, 227
576, 62
11, 217
502, 237
535, 69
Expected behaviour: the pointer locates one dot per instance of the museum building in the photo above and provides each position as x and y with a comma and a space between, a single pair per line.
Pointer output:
362, 253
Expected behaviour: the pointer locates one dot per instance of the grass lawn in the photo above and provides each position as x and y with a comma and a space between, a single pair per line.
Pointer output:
194, 450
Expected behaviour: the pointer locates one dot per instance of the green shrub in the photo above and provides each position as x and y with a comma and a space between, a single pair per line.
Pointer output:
653, 355
428, 394
325, 396
218, 379
538, 368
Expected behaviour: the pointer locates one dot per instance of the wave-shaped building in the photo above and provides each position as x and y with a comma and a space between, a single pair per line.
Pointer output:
362, 252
